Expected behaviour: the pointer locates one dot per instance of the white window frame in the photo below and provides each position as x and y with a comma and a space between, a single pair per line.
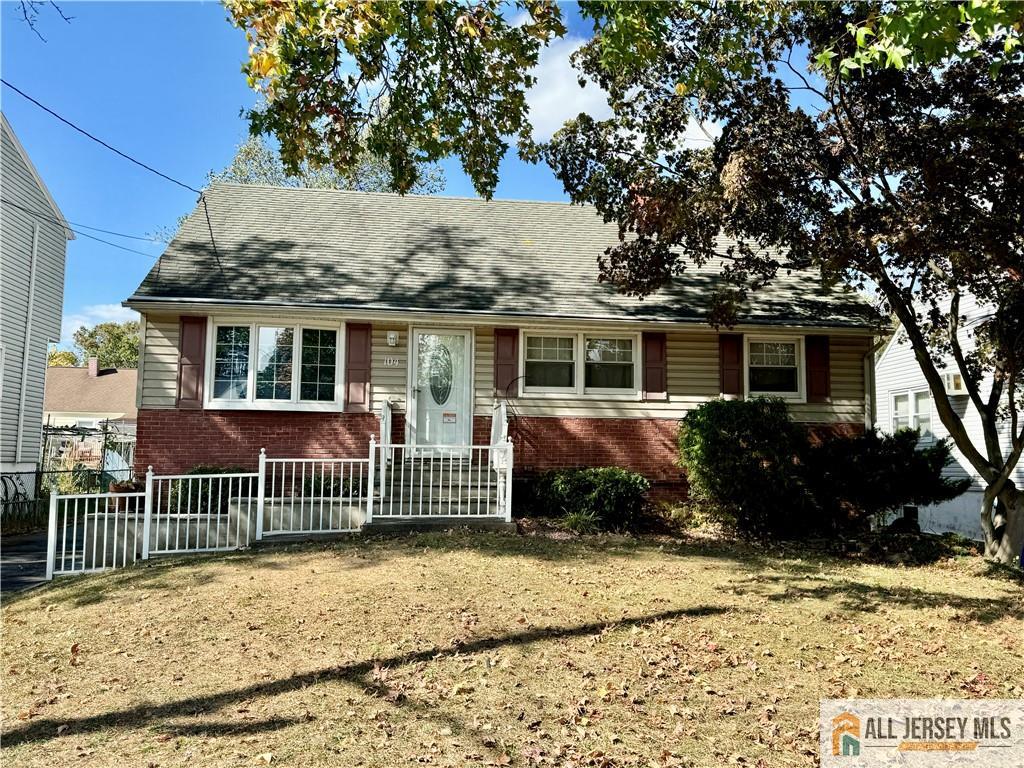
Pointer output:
580, 390
292, 404
800, 396
912, 414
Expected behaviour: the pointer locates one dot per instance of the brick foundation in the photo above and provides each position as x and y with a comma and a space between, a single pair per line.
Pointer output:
173, 441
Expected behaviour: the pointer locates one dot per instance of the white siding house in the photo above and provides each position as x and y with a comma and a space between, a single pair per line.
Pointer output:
905, 401
33, 243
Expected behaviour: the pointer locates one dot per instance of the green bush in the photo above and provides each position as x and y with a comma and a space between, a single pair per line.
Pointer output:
748, 461
201, 498
863, 477
323, 485
740, 458
611, 498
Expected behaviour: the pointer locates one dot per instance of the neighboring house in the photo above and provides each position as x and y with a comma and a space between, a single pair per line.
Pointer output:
286, 318
87, 397
33, 243
904, 400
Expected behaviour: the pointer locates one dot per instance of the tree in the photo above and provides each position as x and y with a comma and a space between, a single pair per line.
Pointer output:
115, 344
894, 169
61, 358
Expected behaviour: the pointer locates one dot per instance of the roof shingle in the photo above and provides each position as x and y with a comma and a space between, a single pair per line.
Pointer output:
358, 250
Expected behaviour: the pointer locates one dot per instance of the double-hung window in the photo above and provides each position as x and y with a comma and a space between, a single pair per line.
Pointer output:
279, 365
912, 410
580, 363
775, 367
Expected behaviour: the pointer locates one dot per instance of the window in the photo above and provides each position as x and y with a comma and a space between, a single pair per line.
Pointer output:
274, 363
283, 366
231, 363
609, 363
580, 364
773, 367
319, 364
550, 362
913, 410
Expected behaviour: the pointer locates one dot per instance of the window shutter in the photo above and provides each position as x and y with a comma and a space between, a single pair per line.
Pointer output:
730, 363
191, 361
655, 366
506, 362
819, 377
358, 351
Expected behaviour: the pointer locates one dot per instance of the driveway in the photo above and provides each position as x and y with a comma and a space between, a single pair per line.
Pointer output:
22, 561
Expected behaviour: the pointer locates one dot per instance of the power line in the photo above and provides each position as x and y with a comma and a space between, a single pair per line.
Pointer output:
84, 234
66, 222
98, 140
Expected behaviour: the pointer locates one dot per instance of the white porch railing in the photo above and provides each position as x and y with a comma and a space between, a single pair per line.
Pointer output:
208, 513
446, 481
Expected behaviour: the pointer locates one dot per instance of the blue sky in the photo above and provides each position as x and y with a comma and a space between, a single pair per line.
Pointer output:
162, 82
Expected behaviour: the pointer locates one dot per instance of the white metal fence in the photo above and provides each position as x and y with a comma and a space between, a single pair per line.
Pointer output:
208, 513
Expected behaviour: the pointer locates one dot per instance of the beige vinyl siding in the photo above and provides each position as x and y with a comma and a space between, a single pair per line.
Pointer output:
389, 382
159, 374
846, 359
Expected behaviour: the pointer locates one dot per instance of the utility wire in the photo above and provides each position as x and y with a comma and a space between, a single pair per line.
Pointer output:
66, 222
85, 234
98, 140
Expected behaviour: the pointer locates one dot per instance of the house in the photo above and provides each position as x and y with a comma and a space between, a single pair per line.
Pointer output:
904, 400
33, 244
289, 318
89, 396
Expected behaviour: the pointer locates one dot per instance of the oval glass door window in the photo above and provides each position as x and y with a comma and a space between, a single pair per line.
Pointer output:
441, 374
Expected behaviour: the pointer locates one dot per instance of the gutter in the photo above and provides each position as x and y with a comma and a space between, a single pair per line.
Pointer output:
869, 383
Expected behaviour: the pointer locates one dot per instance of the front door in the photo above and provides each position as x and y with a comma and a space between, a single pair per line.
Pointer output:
441, 398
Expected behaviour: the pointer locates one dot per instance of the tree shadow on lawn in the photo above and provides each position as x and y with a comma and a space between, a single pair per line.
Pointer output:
857, 597
361, 674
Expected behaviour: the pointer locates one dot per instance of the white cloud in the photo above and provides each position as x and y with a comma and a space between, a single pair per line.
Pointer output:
557, 95
91, 315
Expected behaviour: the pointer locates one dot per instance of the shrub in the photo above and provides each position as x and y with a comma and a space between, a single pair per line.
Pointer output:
201, 498
854, 479
750, 462
614, 498
317, 485
740, 457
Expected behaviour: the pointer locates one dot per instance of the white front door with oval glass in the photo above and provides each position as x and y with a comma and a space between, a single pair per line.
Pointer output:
441, 398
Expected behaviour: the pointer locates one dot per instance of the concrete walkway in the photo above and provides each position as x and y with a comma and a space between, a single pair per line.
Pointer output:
22, 561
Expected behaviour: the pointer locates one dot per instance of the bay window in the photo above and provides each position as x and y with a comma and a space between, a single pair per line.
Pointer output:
580, 364
280, 365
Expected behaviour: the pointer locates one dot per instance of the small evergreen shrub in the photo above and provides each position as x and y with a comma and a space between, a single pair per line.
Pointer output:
740, 458
862, 477
201, 498
612, 498
750, 463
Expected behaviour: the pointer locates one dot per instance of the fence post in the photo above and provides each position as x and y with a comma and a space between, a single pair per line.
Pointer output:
147, 517
508, 483
51, 536
372, 479
261, 490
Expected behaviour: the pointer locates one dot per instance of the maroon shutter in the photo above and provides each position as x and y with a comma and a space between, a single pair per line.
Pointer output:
191, 361
358, 351
655, 367
819, 378
730, 363
506, 362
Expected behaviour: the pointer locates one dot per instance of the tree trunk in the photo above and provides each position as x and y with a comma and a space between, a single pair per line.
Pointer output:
1009, 548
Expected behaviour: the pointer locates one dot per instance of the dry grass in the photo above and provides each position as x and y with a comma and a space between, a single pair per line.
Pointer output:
476, 649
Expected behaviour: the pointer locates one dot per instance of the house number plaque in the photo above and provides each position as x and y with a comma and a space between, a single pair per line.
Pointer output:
392, 362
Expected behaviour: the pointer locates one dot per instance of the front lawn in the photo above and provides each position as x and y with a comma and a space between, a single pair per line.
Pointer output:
489, 649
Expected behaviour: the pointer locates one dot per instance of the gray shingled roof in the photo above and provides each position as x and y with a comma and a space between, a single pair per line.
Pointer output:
325, 248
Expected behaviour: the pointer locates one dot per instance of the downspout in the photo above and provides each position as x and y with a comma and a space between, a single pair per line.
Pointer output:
869, 384
28, 341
